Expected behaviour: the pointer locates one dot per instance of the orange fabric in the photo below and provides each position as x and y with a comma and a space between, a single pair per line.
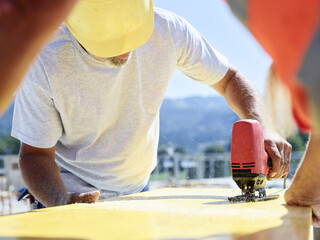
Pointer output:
285, 29
299, 100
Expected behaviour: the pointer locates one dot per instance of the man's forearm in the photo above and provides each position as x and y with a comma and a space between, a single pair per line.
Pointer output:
243, 98
305, 188
42, 177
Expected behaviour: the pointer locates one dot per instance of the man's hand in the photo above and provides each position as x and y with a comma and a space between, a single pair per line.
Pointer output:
316, 215
280, 152
293, 199
89, 197
42, 177
305, 189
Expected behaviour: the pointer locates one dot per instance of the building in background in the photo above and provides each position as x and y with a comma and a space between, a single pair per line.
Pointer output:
9, 169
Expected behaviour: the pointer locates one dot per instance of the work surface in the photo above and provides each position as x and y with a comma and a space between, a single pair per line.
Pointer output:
164, 214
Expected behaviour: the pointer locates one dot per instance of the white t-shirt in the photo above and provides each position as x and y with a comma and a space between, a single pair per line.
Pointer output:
104, 120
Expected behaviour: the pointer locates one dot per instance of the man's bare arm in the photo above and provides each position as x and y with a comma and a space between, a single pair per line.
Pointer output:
25, 26
305, 188
243, 98
42, 177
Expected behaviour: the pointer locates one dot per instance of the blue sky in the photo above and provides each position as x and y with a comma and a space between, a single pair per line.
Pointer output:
214, 20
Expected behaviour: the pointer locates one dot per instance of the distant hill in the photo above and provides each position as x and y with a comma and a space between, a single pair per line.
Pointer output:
189, 122
195, 121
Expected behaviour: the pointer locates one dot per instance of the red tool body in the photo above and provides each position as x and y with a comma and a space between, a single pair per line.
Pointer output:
247, 148
250, 163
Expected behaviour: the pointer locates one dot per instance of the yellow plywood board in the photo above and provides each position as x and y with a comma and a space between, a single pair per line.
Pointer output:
164, 214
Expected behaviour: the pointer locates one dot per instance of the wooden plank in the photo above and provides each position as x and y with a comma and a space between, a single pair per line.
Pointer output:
170, 213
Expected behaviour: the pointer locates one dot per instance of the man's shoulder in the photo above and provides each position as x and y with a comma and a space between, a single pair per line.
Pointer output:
57, 48
169, 20
161, 14
59, 40
46, 62
61, 35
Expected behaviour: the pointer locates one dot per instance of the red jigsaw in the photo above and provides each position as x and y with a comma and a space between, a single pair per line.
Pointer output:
250, 164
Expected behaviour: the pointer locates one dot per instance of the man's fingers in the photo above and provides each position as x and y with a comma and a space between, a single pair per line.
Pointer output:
316, 215
285, 151
280, 152
287, 157
89, 197
282, 161
275, 155
315, 221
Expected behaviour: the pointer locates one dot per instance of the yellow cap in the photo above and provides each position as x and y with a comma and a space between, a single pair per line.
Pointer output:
108, 28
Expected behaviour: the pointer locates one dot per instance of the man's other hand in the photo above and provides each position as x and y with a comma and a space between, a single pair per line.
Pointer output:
280, 152
88, 197
305, 189
295, 199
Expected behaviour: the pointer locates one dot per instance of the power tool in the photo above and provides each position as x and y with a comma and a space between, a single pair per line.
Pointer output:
250, 163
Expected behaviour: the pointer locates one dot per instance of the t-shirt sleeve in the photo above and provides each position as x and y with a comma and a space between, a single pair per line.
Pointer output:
36, 121
195, 56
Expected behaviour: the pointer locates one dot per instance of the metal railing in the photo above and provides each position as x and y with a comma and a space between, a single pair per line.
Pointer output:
175, 167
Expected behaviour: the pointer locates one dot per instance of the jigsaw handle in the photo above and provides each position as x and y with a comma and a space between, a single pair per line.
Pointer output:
247, 148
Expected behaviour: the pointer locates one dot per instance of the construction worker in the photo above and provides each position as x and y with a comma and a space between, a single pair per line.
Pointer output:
25, 26
290, 33
87, 113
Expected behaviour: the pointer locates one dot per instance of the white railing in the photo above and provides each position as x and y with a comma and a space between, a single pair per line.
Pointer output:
183, 167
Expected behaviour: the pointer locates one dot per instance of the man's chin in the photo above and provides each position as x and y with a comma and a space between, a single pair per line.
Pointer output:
115, 61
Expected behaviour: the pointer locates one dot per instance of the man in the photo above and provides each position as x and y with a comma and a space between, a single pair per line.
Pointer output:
88, 112
276, 25
25, 26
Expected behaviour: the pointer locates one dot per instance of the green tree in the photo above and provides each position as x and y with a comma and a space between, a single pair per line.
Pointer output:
298, 141
9, 145
214, 148
180, 150
162, 150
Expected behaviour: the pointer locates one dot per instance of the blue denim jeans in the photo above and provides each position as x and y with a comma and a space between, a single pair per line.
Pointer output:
146, 188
